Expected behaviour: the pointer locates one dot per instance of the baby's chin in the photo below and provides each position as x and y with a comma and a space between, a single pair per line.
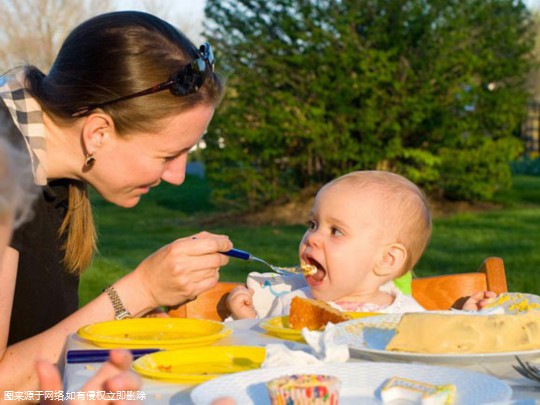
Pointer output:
322, 295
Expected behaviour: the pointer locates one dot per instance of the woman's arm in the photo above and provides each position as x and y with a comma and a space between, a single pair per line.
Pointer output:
175, 273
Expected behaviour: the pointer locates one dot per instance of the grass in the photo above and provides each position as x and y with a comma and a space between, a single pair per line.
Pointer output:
459, 243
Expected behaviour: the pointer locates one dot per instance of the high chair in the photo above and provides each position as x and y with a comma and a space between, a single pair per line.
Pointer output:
452, 290
208, 305
433, 293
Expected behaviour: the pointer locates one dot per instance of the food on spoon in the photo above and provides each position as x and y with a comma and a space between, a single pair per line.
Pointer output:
308, 269
398, 388
424, 332
312, 389
313, 314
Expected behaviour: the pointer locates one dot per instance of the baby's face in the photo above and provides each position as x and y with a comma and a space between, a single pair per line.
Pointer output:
344, 239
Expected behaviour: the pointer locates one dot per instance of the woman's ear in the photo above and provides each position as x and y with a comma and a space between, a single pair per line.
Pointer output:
392, 261
97, 128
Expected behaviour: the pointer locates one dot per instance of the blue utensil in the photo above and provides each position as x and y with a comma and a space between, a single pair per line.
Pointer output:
99, 356
242, 254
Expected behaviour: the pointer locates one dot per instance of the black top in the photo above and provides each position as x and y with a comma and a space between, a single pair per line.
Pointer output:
45, 293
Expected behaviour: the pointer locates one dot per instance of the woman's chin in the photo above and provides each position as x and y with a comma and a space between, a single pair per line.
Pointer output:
127, 202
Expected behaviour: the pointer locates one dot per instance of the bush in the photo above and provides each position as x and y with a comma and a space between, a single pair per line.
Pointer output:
476, 174
528, 164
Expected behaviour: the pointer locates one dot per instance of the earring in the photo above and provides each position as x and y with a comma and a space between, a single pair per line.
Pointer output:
90, 160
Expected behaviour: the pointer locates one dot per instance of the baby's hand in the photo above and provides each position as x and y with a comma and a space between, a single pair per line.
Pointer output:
240, 303
479, 300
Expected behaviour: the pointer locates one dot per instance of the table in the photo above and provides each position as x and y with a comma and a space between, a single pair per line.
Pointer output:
247, 332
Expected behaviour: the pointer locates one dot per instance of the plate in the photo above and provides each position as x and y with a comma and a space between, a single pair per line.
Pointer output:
279, 326
360, 383
370, 343
162, 333
198, 364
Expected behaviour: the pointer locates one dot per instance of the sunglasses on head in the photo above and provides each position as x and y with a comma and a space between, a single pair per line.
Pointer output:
187, 80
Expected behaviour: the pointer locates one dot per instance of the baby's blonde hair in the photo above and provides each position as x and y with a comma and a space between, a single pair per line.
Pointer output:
17, 188
403, 209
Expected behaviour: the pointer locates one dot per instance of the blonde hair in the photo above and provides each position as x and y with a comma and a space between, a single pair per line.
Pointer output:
17, 188
405, 208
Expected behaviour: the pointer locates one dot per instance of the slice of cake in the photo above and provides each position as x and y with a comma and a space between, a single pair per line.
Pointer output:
313, 314
425, 332
301, 389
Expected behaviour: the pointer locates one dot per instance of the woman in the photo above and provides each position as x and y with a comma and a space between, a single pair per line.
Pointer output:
125, 100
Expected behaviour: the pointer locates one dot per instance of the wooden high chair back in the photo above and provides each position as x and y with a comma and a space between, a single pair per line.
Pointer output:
209, 305
452, 290
437, 292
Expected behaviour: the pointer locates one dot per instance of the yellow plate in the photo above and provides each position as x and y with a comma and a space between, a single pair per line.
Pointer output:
279, 326
163, 333
199, 364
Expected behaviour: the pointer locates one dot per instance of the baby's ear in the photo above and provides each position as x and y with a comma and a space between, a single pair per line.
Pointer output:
392, 261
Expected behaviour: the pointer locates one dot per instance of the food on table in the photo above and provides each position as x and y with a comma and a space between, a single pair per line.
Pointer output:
514, 303
313, 314
304, 389
398, 388
425, 332
308, 269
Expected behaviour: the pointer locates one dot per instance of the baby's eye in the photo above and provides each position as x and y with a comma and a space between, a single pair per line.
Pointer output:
335, 231
311, 225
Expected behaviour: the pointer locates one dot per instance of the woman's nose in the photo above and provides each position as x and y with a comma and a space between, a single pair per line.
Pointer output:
175, 171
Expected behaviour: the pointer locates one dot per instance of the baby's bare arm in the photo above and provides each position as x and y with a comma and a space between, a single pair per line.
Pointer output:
240, 303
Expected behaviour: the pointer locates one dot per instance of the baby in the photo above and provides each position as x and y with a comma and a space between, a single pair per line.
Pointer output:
365, 229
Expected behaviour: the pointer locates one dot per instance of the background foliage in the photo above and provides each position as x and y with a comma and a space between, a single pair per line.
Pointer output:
460, 242
432, 89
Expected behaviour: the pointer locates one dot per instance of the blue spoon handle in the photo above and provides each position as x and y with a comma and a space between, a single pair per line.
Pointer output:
239, 254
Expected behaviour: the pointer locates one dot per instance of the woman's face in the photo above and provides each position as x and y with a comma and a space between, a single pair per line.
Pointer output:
127, 167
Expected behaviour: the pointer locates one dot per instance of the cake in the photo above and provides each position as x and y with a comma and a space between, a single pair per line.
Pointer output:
313, 314
404, 389
424, 332
304, 389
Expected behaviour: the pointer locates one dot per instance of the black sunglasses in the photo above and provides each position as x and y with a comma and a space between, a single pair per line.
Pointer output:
187, 80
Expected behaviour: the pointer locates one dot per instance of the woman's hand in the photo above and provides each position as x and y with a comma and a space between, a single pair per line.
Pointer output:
183, 269
240, 303
114, 376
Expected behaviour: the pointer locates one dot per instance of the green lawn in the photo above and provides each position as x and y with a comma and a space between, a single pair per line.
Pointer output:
459, 243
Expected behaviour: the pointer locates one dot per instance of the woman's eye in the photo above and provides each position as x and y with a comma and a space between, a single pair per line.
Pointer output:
336, 232
170, 158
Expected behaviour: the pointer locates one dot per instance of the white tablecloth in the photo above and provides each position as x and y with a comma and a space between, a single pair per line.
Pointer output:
247, 332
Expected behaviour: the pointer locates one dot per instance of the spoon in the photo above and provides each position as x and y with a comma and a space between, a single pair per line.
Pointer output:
242, 254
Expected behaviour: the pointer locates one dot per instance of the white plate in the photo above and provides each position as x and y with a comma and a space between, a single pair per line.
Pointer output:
360, 383
371, 343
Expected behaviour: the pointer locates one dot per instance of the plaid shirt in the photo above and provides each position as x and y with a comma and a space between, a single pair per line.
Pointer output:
27, 116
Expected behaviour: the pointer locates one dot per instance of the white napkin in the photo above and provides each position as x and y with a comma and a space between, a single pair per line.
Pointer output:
323, 349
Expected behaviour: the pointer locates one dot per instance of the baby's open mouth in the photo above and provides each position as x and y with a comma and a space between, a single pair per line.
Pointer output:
319, 274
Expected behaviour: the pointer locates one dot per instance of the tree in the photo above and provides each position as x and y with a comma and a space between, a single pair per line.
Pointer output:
33, 30
317, 88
